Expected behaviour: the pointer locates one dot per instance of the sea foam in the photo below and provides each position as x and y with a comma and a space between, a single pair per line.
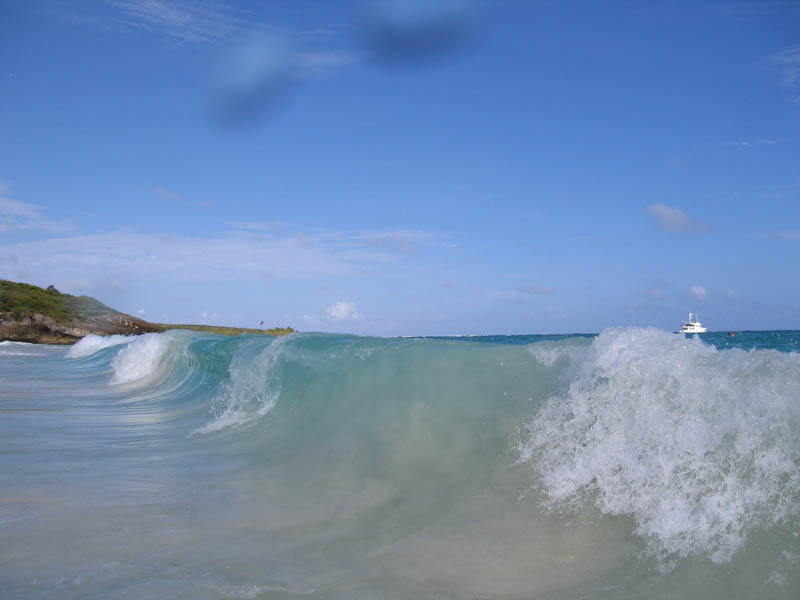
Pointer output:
141, 359
699, 446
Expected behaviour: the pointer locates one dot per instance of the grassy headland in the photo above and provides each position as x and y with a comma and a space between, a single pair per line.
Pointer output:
19, 300
33, 314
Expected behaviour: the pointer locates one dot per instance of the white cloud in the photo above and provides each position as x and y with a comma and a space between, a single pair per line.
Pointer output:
673, 220
698, 292
343, 311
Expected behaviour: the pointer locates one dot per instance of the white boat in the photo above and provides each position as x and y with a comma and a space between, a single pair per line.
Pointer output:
693, 325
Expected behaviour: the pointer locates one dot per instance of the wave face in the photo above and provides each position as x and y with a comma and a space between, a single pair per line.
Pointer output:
636, 463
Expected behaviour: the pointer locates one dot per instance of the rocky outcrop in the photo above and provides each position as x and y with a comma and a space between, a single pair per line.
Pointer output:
38, 328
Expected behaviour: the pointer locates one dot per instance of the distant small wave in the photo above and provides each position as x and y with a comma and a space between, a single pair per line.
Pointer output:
92, 343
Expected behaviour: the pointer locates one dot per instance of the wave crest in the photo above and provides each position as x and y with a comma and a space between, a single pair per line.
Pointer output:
699, 446
252, 391
141, 359
92, 344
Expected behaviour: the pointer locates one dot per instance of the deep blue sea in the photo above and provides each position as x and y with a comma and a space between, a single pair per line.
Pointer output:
637, 463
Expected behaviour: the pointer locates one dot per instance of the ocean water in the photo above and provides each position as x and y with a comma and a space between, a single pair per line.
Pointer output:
633, 464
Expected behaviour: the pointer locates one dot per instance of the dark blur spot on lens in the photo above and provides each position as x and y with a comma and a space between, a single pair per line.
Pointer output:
411, 32
254, 82
244, 107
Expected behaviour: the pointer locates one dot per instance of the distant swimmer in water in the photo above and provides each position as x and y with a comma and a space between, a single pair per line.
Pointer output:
730, 334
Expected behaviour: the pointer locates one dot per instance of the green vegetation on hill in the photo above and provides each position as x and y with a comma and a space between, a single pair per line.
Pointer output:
229, 330
18, 300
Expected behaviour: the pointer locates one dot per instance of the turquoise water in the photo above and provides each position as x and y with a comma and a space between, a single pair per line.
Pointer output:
633, 464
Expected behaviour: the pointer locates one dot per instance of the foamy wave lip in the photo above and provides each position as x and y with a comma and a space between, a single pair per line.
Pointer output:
699, 446
141, 358
253, 390
92, 343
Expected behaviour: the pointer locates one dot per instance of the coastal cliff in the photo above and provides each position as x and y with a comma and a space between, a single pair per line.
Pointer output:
46, 316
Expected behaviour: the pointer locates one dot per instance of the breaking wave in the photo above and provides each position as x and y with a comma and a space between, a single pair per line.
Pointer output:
694, 447
700, 446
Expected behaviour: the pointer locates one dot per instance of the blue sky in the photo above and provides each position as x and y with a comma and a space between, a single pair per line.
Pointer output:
403, 168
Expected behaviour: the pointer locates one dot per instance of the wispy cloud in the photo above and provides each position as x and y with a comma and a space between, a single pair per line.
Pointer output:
792, 236
191, 22
673, 220
657, 290
654, 295
282, 254
523, 294
22, 216
11, 208
789, 61
698, 292
262, 68
399, 240
259, 225
538, 289
323, 62
751, 143
160, 190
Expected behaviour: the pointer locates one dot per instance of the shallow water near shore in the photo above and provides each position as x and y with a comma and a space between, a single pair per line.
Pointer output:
637, 463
